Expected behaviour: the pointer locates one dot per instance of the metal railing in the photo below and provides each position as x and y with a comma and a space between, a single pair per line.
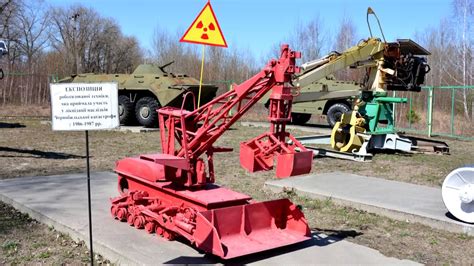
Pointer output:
437, 111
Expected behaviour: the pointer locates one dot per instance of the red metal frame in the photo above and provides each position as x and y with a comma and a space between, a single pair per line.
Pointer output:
171, 193
292, 158
196, 131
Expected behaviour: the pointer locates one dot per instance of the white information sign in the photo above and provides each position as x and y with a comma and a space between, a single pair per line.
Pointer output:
84, 106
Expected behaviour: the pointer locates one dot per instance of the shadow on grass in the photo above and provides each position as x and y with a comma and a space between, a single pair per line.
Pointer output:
318, 238
340, 234
11, 125
40, 154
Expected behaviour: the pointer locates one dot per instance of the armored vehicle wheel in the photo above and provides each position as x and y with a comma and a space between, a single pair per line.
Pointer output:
126, 112
145, 111
335, 111
300, 118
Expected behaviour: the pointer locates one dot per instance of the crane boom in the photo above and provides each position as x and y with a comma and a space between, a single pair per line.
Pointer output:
390, 66
318, 69
186, 135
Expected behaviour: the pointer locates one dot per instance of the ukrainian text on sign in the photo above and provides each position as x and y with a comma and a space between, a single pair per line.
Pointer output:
84, 106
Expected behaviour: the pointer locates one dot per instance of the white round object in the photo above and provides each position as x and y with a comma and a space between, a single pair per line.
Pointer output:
458, 193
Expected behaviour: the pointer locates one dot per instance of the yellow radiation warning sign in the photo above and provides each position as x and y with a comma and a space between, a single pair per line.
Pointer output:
205, 29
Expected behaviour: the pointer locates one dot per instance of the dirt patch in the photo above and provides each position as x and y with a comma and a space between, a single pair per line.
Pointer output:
25, 241
31, 111
422, 169
34, 150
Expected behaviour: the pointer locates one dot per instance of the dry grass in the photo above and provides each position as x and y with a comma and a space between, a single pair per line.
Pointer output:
31, 111
441, 121
32, 149
25, 241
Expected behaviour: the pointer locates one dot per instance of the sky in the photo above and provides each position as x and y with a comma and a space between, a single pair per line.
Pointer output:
256, 25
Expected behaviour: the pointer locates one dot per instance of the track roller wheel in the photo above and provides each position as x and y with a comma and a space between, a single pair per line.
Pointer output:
113, 211
159, 231
122, 214
150, 227
139, 222
131, 219
168, 235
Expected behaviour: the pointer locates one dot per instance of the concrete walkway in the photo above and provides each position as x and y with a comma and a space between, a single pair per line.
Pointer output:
135, 129
398, 200
313, 128
61, 201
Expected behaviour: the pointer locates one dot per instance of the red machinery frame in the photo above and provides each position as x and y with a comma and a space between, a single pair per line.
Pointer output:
171, 193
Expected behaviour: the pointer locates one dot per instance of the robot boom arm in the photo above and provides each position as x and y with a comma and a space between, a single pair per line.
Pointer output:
186, 135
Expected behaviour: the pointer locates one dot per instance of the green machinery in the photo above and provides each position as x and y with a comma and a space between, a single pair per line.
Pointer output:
389, 66
370, 126
395, 66
379, 108
357, 130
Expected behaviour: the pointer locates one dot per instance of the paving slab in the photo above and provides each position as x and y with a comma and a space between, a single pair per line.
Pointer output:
136, 129
61, 201
133, 129
313, 128
397, 200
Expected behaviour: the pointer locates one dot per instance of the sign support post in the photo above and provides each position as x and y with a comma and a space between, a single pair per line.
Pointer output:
200, 79
89, 197
84, 107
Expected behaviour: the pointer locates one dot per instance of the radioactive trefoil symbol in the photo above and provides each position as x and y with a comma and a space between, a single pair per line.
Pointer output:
210, 27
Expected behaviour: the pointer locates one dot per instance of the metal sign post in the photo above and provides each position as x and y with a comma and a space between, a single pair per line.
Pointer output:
85, 106
89, 196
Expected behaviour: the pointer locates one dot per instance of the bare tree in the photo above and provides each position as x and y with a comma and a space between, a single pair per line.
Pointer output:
8, 8
91, 43
464, 15
346, 38
309, 38
166, 48
33, 25
64, 35
126, 55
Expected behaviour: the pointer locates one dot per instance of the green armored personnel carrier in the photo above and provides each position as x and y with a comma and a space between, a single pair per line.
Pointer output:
148, 88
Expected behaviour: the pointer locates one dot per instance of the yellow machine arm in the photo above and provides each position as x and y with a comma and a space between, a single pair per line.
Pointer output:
365, 54
390, 66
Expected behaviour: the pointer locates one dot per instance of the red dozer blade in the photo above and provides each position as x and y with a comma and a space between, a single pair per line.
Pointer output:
241, 230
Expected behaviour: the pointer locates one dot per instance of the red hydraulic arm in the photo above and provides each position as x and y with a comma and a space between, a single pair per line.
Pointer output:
171, 193
186, 135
